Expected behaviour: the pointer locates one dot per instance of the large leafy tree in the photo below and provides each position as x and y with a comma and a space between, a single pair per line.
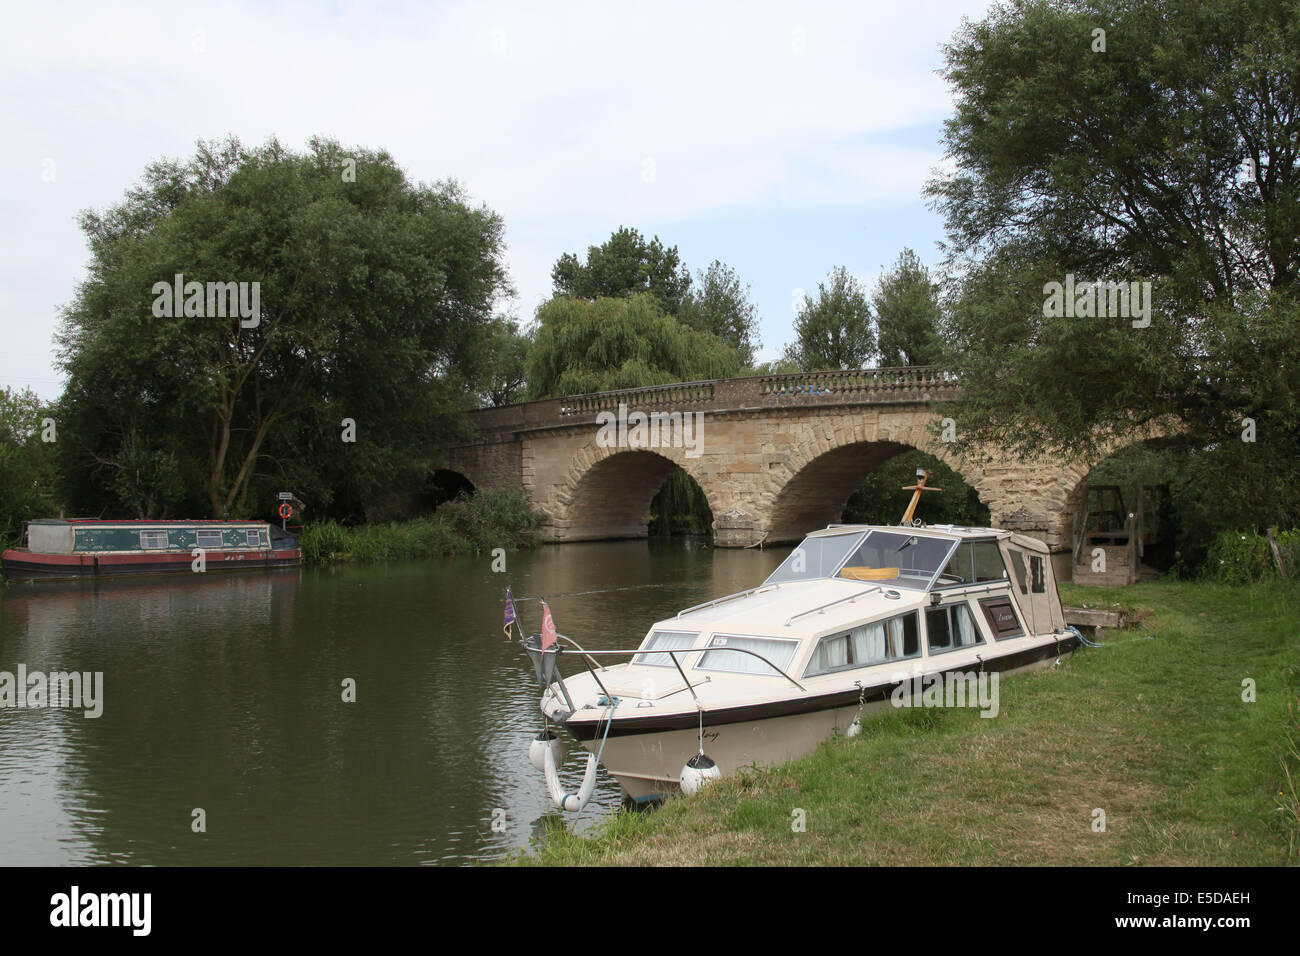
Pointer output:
374, 294
581, 346
625, 264
1165, 151
833, 329
906, 305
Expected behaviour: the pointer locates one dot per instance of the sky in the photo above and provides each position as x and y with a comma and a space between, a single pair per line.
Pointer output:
782, 139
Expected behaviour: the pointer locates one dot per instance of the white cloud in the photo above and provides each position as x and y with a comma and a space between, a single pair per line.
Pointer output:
548, 113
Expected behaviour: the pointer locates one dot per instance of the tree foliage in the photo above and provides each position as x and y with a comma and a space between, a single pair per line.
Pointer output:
718, 302
906, 305
625, 264
27, 463
374, 295
833, 330
584, 346
1170, 158
504, 363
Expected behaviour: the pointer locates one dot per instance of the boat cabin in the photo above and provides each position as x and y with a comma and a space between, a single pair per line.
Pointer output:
858, 596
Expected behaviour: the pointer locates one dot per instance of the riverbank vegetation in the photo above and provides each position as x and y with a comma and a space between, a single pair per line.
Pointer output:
474, 523
28, 473
1151, 728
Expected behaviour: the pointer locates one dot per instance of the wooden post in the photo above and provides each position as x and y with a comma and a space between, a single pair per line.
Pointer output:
1277, 552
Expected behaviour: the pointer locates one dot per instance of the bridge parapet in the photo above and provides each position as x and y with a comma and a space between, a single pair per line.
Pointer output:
870, 386
677, 394
912, 383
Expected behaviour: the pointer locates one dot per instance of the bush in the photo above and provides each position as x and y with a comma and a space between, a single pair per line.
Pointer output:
469, 524
1238, 557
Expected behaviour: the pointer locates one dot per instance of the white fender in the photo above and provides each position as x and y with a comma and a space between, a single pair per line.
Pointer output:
542, 742
573, 802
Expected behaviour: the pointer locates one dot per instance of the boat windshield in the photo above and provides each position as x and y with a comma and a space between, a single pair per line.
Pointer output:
816, 557
900, 558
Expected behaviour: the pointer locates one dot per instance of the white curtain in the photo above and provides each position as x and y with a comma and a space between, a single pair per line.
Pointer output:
831, 652
667, 640
869, 643
896, 645
721, 659
965, 630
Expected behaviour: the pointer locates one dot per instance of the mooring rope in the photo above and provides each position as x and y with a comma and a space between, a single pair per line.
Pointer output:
1083, 640
609, 722
629, 587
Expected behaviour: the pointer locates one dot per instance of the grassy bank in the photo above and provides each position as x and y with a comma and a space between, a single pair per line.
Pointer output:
472, 524
1151, 728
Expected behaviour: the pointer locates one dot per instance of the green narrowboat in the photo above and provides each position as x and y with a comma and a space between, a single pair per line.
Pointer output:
86, 547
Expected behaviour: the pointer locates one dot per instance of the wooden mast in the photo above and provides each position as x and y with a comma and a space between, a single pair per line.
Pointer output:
922, 475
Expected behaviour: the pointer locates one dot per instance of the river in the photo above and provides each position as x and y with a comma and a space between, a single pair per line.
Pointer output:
225, 737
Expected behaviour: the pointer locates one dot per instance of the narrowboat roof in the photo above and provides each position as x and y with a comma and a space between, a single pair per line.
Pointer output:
150, 521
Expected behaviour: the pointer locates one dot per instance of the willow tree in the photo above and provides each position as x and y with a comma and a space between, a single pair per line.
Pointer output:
580, 346
363, 298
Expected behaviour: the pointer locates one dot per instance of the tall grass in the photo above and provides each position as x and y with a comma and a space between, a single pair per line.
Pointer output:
1244, 557
470, 524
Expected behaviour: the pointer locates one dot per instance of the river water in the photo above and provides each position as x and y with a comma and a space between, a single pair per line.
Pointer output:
223, 693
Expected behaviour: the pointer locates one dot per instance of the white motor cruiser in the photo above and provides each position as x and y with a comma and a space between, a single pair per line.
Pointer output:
857, 619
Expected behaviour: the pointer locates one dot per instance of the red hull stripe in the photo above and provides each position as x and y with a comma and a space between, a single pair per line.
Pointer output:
20, 563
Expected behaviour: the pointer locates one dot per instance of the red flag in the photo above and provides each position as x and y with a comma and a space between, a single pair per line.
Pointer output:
548, 627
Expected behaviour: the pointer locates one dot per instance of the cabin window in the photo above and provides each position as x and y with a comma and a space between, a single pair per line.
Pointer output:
1037, 579
153, 540
254, 538
988, 562
665, 640
721, 658
816, 557
897, 558
1022, 573
868, 644
208, 539
950, 627
975, 562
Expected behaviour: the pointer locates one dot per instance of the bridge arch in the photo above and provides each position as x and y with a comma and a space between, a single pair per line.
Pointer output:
444, 484
810, 489
607, 492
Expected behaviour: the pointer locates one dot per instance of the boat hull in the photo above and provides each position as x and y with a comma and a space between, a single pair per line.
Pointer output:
647, 760
21, 565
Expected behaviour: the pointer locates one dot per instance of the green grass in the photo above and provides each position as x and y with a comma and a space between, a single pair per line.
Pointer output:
1153, 732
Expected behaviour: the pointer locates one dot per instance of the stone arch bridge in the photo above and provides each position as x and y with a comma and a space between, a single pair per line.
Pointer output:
775, 455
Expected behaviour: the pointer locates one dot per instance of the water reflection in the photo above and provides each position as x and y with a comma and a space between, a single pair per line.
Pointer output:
225, 693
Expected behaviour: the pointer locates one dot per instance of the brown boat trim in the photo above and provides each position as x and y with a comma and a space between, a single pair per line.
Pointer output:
630, 726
